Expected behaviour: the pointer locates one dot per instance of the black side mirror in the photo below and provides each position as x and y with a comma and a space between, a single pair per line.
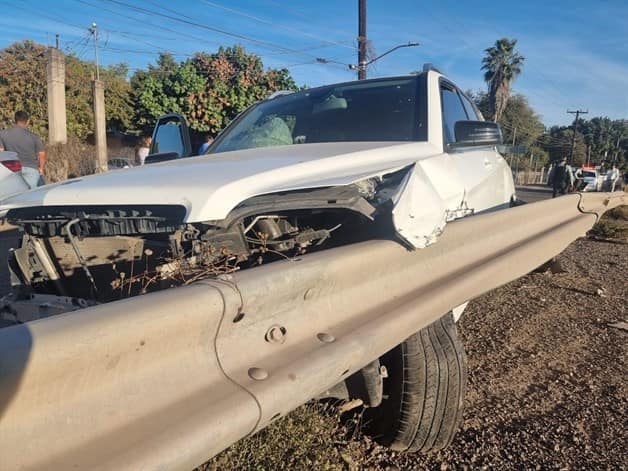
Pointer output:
477, 133
163, 157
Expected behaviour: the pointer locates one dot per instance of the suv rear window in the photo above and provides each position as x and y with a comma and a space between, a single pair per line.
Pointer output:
374, 110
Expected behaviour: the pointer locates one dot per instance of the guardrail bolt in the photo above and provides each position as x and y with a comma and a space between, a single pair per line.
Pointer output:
276, 334
325, 337
258, 374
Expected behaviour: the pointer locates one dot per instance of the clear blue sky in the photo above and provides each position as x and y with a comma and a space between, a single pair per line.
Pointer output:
576, 51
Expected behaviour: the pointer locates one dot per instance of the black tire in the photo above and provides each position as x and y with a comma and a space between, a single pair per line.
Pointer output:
424, 392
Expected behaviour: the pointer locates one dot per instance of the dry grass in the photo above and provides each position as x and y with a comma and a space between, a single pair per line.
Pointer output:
311, 437
613, 225
75, 159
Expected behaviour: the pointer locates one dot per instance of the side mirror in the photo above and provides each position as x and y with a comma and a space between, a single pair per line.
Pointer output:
163, 157
477, 133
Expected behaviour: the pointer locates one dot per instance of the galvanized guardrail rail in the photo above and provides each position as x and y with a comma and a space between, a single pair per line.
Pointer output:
167, 380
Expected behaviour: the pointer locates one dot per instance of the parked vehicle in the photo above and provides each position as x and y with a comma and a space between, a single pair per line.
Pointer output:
591, 180
11, 181
117, 163
394, 158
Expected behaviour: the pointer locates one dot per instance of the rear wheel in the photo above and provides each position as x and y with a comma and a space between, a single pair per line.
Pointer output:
424, 391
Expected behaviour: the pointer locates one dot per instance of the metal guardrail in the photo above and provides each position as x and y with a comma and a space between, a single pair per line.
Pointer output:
167, 380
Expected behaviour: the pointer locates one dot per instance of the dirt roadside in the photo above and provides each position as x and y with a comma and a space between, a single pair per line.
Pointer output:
548, 383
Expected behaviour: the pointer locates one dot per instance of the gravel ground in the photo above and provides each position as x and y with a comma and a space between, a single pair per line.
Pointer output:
548, 384
548, 376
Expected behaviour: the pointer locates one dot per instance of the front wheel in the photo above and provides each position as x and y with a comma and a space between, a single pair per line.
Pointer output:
424, 391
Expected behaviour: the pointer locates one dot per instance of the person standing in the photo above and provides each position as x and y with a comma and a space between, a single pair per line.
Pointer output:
29, 148
561, 178
611, 178
205, 145
143, 149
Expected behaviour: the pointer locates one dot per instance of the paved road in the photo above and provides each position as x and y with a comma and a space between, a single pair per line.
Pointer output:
534, 193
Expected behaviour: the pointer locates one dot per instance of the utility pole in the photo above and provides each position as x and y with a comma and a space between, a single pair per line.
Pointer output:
94, 31
512, 150
361, 39
100, 121
55, 78
575, 130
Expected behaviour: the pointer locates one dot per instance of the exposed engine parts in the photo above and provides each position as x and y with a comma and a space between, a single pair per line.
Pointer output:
101, 254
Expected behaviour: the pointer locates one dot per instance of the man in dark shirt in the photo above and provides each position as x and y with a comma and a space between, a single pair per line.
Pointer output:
560, 182
29, 148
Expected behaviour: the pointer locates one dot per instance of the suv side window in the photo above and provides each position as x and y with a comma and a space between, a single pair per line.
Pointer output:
470, 108
453, 111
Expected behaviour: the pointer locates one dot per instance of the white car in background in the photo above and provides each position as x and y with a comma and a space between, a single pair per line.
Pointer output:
591, 180
11, 181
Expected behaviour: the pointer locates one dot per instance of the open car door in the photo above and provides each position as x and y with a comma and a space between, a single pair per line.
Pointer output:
171, 139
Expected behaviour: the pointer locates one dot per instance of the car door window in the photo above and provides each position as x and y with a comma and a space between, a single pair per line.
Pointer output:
168, 138
469, 108
453, 111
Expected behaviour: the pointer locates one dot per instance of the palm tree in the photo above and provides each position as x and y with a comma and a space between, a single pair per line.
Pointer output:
502, 65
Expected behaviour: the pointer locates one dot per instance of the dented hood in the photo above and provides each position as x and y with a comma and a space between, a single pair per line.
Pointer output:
210, 186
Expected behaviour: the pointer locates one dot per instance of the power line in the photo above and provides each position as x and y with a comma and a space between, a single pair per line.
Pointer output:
184, 19
575, 130
276, 25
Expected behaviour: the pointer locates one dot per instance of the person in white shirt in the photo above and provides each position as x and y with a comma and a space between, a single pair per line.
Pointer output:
611, 178
143, 150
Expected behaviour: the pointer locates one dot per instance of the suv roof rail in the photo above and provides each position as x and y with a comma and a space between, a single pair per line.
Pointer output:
429, 66
279, 93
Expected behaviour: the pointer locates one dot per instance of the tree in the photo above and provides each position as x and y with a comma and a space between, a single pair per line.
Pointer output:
209, 90
167, 87
502, 65
520, 124
557, 143
23, 86
235, 81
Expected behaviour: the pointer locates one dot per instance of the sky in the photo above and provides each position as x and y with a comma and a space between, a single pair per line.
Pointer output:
576, 51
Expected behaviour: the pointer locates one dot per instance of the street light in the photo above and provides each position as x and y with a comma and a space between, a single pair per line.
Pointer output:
363, 65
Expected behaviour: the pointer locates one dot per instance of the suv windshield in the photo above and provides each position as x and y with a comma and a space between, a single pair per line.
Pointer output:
374, 110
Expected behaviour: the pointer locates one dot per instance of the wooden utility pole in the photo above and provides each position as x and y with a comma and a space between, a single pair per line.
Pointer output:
575, 130
361, 39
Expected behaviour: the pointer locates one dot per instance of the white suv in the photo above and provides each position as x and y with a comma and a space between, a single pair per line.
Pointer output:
392, 157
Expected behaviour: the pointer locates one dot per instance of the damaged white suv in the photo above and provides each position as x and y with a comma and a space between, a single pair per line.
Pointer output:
394, 157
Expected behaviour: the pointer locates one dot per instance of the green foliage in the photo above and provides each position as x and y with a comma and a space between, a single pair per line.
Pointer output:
518, 115
23, 86
209, 90
502, 65
168, 87
607, 140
